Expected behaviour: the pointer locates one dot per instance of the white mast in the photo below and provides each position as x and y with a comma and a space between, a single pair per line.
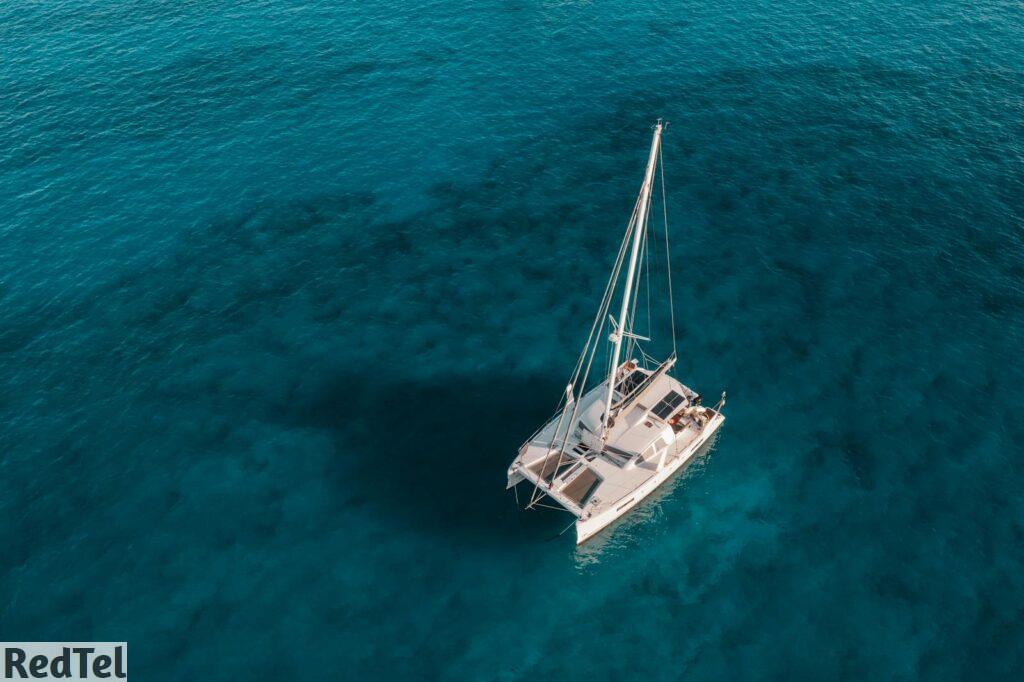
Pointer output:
638, 237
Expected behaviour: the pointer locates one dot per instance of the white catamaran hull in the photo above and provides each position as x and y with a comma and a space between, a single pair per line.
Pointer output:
588, 528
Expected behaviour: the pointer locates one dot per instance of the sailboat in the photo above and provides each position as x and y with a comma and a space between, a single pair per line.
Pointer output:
610, 445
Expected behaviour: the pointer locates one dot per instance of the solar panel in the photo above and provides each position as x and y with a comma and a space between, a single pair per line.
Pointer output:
664, 408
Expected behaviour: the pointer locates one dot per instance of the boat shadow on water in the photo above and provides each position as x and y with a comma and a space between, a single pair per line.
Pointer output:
431, 456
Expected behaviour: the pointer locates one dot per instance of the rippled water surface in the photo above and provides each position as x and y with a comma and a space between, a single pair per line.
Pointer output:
283, 285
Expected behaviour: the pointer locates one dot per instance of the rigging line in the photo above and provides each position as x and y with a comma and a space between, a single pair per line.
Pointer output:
602, 314
608, 292
605, 302
636, 292
567, 528
668, 253
599, 322
599, 318
597, 326
548, 506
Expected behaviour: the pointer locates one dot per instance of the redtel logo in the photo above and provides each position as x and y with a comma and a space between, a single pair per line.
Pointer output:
64, 660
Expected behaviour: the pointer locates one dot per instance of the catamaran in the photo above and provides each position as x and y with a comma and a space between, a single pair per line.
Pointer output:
609, 446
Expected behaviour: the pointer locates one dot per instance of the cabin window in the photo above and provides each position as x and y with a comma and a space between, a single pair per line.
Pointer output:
629, 384
669, 403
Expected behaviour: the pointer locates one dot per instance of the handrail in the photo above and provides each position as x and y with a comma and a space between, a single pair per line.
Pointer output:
544, 424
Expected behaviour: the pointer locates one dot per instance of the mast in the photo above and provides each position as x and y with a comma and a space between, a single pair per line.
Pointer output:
638, 236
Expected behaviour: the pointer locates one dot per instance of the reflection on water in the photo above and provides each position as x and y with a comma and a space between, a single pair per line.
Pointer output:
622, 533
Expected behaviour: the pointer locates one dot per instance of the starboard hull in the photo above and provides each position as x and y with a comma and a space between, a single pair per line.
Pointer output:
588, 528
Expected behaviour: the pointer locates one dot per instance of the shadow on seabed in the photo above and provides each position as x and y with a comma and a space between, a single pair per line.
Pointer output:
432, 455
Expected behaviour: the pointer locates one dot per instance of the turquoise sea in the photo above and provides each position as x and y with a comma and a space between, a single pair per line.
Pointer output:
284, 285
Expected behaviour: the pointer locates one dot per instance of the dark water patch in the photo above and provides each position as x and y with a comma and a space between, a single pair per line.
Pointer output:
434, 454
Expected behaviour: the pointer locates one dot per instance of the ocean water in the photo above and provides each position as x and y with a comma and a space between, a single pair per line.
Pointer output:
284, 285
